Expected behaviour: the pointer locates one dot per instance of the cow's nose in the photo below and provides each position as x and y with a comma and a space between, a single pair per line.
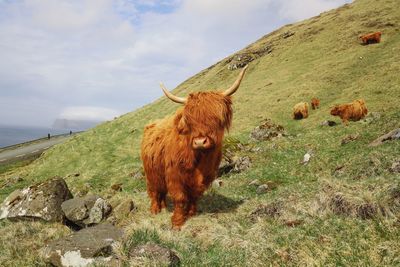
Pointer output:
201, 143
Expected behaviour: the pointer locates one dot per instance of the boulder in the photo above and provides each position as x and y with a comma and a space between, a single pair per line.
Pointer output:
87, 210
39, 201
123, 210
233, 164
88, 247
241, 164
157, 254
267, 130
392, 135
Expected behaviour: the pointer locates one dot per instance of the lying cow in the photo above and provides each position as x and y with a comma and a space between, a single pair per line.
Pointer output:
315, 103
352, 111
181, 153
371, 38
300, 111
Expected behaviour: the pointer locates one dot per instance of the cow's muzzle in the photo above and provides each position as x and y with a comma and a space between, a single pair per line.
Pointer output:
201, 143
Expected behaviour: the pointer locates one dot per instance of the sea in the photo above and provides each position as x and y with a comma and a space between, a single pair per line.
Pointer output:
11, 135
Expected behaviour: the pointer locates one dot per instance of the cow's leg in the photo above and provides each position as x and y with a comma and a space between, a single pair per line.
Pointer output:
180, 209
155, 206
163, 202
157, 191
192, 207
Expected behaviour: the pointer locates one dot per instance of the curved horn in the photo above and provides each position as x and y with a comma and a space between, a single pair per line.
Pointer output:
177, 99
236, 84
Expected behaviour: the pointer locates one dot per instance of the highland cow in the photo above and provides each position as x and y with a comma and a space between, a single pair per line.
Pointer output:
354, 111
315, 103
181, 153
371, 38
300, 111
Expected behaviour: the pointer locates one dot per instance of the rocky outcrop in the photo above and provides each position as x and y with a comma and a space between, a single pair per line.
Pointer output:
86, 211
123, 210
39, 201
392, 135
267, 130
233, 164
89, 247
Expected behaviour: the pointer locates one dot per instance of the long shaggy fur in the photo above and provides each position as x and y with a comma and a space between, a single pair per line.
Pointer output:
315, 103
172, 166
300, 111
371, 38
351, 111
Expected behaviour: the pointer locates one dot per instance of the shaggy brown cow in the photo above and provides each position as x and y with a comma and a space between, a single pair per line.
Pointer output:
181, 154
371, 38
352, 111
300, 111
314, 103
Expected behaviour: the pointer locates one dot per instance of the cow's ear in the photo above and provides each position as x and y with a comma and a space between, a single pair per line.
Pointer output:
181, 124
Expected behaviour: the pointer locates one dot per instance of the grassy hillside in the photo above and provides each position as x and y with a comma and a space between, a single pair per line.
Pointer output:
345, 203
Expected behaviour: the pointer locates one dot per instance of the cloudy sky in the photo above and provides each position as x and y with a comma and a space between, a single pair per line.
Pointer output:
96, 59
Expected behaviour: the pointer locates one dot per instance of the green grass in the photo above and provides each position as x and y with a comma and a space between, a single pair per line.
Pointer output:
322, 59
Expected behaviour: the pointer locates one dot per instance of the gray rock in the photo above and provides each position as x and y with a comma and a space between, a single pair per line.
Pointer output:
307, 157
123, 209
40, 201
262, 189
157, 254
255, 182
233, 164
217, 183
267, 130
392, 135
241, 164
90, 246
328, 123
88, 210
266, 187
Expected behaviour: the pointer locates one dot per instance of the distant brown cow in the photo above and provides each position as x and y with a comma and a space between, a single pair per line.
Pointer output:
181, 153
314, 103
300, 111
371, 38
351, 111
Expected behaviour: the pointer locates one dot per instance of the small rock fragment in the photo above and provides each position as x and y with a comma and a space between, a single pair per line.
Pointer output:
217, 183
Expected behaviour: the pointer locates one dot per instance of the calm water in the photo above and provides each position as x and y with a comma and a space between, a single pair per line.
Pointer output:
10, 135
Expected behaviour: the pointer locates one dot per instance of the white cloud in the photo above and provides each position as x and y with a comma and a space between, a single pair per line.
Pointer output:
113, 53
298, 10
89, 113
